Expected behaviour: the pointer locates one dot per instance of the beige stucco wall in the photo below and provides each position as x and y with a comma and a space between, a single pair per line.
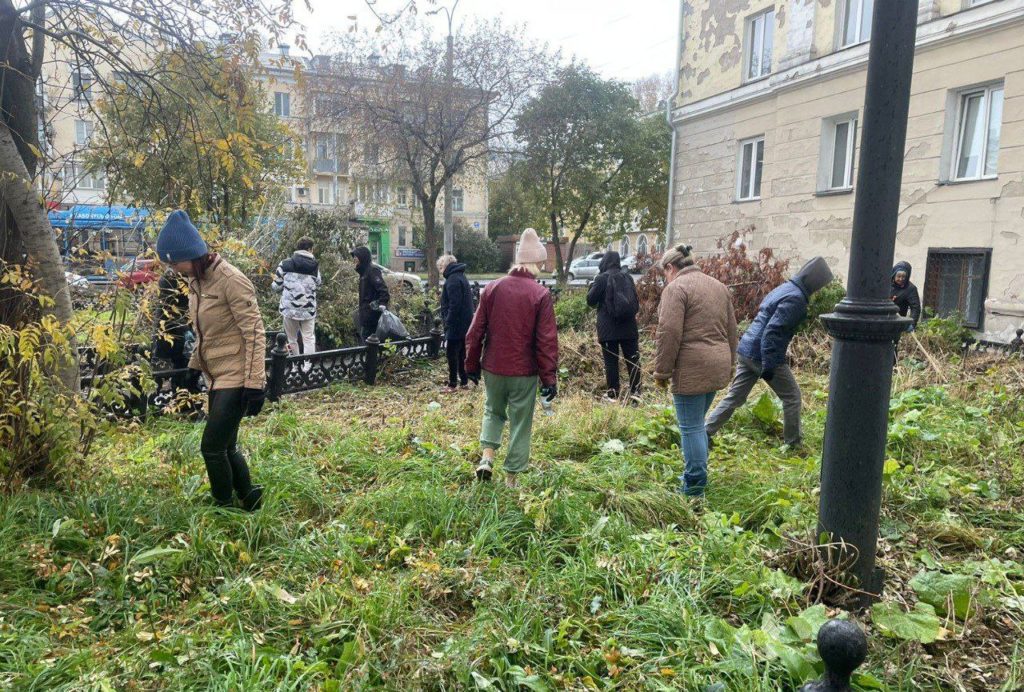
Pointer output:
791, 218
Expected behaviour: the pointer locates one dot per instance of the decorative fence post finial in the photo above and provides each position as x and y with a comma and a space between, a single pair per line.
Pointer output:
372, 360
278, 365
842, 646
436, 334
1017, 345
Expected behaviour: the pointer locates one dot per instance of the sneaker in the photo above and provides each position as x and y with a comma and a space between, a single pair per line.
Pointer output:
484, 470
254, 500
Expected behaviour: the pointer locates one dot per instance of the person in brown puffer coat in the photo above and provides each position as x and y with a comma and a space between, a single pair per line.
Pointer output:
230, 350
696, 341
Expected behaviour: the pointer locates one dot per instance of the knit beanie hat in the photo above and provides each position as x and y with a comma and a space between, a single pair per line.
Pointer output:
531, 250
179, 241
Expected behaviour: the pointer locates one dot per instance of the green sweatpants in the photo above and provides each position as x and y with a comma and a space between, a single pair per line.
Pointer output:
509, 399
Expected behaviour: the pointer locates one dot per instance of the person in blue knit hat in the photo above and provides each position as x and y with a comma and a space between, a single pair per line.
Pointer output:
229, 353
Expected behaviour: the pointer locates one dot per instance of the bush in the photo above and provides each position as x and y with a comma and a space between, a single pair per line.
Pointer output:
572, 311
479, 252
749, 279
943, 334
822, 302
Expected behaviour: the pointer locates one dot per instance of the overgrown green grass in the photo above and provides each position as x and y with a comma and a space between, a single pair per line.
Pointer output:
378, 562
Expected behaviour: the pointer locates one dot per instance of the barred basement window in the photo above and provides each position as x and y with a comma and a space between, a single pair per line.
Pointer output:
956, 282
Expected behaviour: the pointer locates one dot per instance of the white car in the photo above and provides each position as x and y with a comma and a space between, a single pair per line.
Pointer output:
409, 282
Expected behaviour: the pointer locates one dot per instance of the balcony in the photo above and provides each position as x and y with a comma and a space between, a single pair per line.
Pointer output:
325, 166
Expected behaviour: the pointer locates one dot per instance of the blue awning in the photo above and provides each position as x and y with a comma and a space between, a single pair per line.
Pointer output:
87, 216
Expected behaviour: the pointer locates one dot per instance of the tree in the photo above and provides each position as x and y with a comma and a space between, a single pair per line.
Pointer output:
97, 37
201, 139
652, 91
581, 135
512, 203
479, 252
391, 90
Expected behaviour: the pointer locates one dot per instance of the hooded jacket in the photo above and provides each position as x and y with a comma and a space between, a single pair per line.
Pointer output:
513, 331
456, 302
230, 339
608, 327
372, 287
297, 280
780, 313
907, 298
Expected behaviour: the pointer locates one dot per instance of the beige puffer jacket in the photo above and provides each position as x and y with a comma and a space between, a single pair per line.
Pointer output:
230, 339
696, 334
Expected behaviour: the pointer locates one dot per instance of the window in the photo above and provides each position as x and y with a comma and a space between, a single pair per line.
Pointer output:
956, 280
978, 125
855, 21
77, 177
758, 51
325, 193
380, 194
641, 246
83, 132
371, 154
81, 81
624, 247
400, 193
282, 104
402, 236
751, 164
838, 150
457, 199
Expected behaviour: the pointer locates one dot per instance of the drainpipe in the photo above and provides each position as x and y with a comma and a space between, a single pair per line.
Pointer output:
670, 233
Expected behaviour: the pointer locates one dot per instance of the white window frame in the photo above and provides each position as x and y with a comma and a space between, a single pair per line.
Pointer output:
975, 3
282, 104
624, 247
828, 152
841, 16
82, 83
83, 132
458, 199
752, 142
754, 44
402, 196
321, 197
403, 235
958, 131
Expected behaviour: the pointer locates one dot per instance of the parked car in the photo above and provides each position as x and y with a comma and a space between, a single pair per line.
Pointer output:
584, 267
138, 272
408, 282
81, 288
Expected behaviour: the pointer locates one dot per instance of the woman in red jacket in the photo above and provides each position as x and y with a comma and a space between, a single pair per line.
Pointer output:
514, 340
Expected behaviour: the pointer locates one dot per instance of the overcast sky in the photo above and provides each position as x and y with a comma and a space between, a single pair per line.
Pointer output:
621, 39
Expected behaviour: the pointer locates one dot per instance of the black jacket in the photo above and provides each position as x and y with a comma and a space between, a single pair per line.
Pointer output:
171, 319
456, 302
907, 298
609, 328
372, 287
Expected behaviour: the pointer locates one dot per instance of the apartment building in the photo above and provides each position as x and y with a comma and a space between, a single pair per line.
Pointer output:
341, 173
347, 173
769, 99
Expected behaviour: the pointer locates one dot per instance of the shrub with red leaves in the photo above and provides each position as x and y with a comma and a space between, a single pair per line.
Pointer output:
749, 279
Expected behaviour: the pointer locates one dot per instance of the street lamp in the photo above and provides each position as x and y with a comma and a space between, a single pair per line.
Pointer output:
865, 324
449, 226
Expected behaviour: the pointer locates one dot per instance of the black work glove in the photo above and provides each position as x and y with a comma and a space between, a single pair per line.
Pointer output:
376, 307
767, 375
473, 377
192, 379
252, 401
549, 391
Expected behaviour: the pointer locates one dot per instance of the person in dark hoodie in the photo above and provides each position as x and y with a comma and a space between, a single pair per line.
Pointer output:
905, 294
762, 350
613, 293
297, 280
456, 314
373, 292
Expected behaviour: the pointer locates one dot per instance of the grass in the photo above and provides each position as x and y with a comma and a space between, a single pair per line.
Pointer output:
377, 562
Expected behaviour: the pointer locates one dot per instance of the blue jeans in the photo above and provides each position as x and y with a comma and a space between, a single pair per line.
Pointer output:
690, 412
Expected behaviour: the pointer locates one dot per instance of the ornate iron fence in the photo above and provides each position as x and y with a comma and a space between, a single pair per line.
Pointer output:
286, 373
1014, 347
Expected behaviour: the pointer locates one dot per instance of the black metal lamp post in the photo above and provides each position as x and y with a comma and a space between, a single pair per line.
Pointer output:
865, 324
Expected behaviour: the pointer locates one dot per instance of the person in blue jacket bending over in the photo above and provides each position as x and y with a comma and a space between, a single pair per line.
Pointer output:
762, 350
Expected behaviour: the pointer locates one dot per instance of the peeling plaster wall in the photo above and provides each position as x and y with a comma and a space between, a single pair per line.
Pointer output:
795, 221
